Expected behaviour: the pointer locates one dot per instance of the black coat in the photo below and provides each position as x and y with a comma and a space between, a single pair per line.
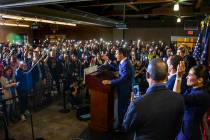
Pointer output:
155, 116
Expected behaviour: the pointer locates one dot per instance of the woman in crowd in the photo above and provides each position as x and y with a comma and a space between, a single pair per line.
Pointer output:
197, 100
9, 93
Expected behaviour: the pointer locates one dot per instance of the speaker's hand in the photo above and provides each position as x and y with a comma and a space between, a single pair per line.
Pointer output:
106, 82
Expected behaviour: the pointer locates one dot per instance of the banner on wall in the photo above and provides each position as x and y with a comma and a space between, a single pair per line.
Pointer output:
17, 38
55, 37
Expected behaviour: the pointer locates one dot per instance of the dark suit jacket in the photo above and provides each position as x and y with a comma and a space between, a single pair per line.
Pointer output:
124, 82
123, 85
56, 68
155, 116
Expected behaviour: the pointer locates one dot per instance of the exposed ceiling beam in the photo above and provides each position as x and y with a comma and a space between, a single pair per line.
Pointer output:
198, 4
169, 11
133, 7
128, 2
154, 1
72, 15
186, 11
37, 2
106, 7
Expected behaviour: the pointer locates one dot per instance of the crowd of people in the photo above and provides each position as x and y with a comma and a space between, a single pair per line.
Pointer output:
155, 66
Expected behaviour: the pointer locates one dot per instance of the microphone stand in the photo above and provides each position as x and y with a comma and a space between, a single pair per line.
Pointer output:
32, 127
34, 65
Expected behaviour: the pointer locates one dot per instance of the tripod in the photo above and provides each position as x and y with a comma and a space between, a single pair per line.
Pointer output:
32, 127
30, 115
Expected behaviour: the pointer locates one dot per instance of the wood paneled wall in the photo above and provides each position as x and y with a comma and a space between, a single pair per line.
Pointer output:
90, 32
149, 34
79, 32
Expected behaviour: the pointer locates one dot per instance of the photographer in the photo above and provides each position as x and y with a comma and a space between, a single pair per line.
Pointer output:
37, 77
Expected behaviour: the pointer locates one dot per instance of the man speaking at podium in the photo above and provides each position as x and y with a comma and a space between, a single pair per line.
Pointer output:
123, 83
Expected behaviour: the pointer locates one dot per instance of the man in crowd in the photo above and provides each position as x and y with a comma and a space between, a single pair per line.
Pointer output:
24, 88
173, 62
187, 58
56, 68
37, 76
158, 114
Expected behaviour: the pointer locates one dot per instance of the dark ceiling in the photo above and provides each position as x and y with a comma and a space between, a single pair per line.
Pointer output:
109, 12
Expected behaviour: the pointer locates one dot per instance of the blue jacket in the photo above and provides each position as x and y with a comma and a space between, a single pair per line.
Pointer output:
123, 85
197, 101
24, 79
157, 115
171, 81
124, 82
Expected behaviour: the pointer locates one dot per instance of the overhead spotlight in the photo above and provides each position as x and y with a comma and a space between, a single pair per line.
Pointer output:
176, 6
178, 20
35, 19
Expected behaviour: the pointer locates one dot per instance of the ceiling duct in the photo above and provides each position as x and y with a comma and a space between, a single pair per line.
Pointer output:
31, 8
15, 3
92, 16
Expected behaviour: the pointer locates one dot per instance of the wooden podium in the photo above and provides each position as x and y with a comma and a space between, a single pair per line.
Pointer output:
102, 101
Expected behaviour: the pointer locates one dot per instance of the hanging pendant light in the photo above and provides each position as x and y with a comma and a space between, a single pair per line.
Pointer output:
176, 6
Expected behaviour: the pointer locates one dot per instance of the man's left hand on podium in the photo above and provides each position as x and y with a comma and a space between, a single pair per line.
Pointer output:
106, 82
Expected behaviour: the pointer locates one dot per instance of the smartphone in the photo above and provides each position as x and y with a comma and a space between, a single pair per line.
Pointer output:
136, 91
17, 83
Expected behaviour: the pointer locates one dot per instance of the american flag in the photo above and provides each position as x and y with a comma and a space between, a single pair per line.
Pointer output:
204, 57
198, 47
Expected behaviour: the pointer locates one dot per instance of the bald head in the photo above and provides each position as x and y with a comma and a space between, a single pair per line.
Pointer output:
157, 70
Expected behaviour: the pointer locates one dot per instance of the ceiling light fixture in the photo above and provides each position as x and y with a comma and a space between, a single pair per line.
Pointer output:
178, 20
36, 20
15, 25
12, 17
176, 6
47, 21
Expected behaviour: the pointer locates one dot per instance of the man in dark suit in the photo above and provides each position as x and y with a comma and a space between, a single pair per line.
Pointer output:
123, 84
157, 115
173, 62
